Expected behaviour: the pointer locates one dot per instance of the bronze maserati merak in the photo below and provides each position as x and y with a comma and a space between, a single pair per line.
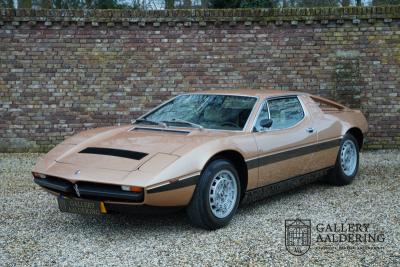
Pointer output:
207, 152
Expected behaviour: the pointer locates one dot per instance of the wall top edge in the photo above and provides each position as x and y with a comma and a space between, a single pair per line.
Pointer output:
274, 14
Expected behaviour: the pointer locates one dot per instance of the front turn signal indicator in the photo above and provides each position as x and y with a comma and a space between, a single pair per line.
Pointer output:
135, 189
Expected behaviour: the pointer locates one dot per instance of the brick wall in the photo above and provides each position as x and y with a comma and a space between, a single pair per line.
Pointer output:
65, 71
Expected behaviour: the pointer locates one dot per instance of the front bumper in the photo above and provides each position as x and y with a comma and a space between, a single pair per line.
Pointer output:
88, 190
114, 198
167, 195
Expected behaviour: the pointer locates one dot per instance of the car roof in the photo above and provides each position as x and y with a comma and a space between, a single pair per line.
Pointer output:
250, 92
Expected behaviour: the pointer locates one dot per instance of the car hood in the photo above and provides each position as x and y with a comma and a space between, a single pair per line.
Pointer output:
127, 148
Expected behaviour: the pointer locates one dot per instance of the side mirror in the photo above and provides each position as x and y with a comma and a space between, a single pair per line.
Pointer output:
266, 123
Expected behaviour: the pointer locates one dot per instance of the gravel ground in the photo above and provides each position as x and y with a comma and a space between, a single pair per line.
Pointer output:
34, 232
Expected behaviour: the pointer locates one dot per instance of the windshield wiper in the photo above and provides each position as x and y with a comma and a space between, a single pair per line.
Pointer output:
195, 125
151, 122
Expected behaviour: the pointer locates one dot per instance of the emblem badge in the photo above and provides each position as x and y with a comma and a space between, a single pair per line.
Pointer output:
297, 236
77, 172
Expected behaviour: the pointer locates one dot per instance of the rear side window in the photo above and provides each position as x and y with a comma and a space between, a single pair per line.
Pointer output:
285, 112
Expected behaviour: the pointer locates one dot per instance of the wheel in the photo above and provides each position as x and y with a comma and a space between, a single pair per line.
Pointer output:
347, 161
216, 196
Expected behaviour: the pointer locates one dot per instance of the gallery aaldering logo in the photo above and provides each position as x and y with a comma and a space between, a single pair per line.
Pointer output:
329, 236
297, 236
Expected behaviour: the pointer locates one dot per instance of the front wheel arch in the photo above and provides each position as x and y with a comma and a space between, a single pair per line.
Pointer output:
238, 162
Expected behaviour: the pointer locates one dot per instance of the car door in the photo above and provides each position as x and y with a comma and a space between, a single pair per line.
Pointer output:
284, 148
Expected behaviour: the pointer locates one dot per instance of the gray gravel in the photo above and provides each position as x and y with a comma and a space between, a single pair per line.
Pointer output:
34, 232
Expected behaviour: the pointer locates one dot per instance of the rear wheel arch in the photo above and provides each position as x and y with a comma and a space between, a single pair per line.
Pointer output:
238, 162
347, 162
358, 135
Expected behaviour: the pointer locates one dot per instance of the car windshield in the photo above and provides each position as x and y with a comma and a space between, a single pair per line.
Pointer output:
222, 112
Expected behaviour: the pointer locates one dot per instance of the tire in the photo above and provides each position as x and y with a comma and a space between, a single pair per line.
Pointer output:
347, 161
220, 176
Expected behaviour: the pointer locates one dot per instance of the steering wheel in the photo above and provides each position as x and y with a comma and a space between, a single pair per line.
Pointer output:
229, 123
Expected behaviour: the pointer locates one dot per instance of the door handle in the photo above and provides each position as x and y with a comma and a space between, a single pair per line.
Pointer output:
310, 130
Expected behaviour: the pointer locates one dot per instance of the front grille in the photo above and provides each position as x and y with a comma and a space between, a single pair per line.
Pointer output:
88, 190
55, 184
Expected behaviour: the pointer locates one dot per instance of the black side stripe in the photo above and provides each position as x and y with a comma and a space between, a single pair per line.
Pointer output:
253, 164
297, 152
179, 184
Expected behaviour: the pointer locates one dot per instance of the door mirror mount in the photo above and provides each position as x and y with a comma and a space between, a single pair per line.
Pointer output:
266, 123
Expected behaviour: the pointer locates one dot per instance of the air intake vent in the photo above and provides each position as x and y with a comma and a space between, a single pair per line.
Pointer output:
160, 130
114, 152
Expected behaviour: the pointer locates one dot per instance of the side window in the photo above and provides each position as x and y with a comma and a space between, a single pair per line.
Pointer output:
285, 112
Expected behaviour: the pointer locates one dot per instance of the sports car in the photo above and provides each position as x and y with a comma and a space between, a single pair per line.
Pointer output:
206, 152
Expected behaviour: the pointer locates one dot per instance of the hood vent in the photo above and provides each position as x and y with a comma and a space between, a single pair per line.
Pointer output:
114, 152
160, 130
